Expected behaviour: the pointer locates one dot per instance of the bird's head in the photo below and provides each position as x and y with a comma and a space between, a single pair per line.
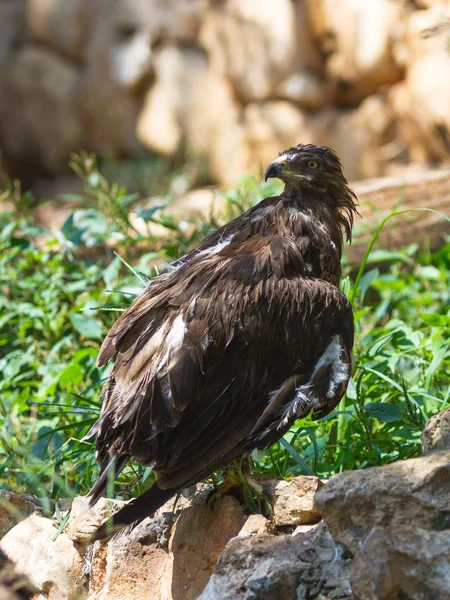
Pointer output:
317, 171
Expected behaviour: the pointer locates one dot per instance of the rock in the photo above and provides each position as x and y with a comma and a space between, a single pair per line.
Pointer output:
358, 135
44, 120
255, 524
160, 123
257, 47
279, 124
288, 567
402, 562
117, 63
357, 39
12, 28
62, 25
293, 500
131, 566
176, 20
409, 491
430, 3
305, 89
12, 585
83, 521
436, 434
198, 538
54, 566
13, 508
270, 126
427, 84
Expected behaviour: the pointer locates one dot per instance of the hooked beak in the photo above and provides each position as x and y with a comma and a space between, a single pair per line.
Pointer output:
275, 169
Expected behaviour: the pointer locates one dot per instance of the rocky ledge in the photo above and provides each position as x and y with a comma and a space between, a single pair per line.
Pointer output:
377, 534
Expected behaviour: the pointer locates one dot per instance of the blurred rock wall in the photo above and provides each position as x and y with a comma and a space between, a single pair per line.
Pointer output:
235, 81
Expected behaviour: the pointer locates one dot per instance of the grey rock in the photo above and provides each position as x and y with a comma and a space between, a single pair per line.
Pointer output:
13, 508
414, 491
436, 433
403, 562
289, 567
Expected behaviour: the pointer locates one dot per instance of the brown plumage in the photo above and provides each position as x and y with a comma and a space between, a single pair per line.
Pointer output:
232, 343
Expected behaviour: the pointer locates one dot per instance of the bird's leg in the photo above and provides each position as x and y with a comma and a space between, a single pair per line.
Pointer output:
239, 482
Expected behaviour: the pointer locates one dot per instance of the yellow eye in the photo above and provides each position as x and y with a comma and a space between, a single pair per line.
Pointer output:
312, 164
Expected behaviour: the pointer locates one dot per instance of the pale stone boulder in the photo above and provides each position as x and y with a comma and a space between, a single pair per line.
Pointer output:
272, 126
402, 562
13, 508
358, 135
54, 566
44, 120
304, 89
357, 38
12, 28
257, 45
436, 433
167, 104
414, 491
287, 567
292, 499
198, 538
84, 521
63, 25
422, 101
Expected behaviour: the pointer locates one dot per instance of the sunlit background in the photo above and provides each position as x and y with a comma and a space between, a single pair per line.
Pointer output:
113, 109
212, 89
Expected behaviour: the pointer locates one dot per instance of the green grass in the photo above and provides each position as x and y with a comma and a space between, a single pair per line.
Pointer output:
55, 309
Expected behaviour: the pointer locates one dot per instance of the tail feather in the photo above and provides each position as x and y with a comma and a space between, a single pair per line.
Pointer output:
134, 512
110, 470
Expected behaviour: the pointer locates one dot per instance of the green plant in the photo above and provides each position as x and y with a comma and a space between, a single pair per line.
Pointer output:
55, 309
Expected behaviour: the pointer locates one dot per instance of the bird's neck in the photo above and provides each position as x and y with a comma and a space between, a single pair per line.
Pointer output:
324, 215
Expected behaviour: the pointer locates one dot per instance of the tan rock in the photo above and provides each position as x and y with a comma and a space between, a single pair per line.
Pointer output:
63, 25
431, 3
410, 491
436, 433
293, 501
130, 566
305, 89
117, 61
255, 525
83, 521
358, 135
257, 47
198, 538
160, 123
54, 566
402, 562
12, 27
357, 37
178, 20
427, 84
13, 586
287, 567
271, 126
44, 120
13, 508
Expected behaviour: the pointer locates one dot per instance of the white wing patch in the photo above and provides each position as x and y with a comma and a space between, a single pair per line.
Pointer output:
216, 248
332, 358
305, 398
176, 334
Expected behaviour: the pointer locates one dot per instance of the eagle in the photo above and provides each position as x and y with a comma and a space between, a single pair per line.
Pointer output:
232, 343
